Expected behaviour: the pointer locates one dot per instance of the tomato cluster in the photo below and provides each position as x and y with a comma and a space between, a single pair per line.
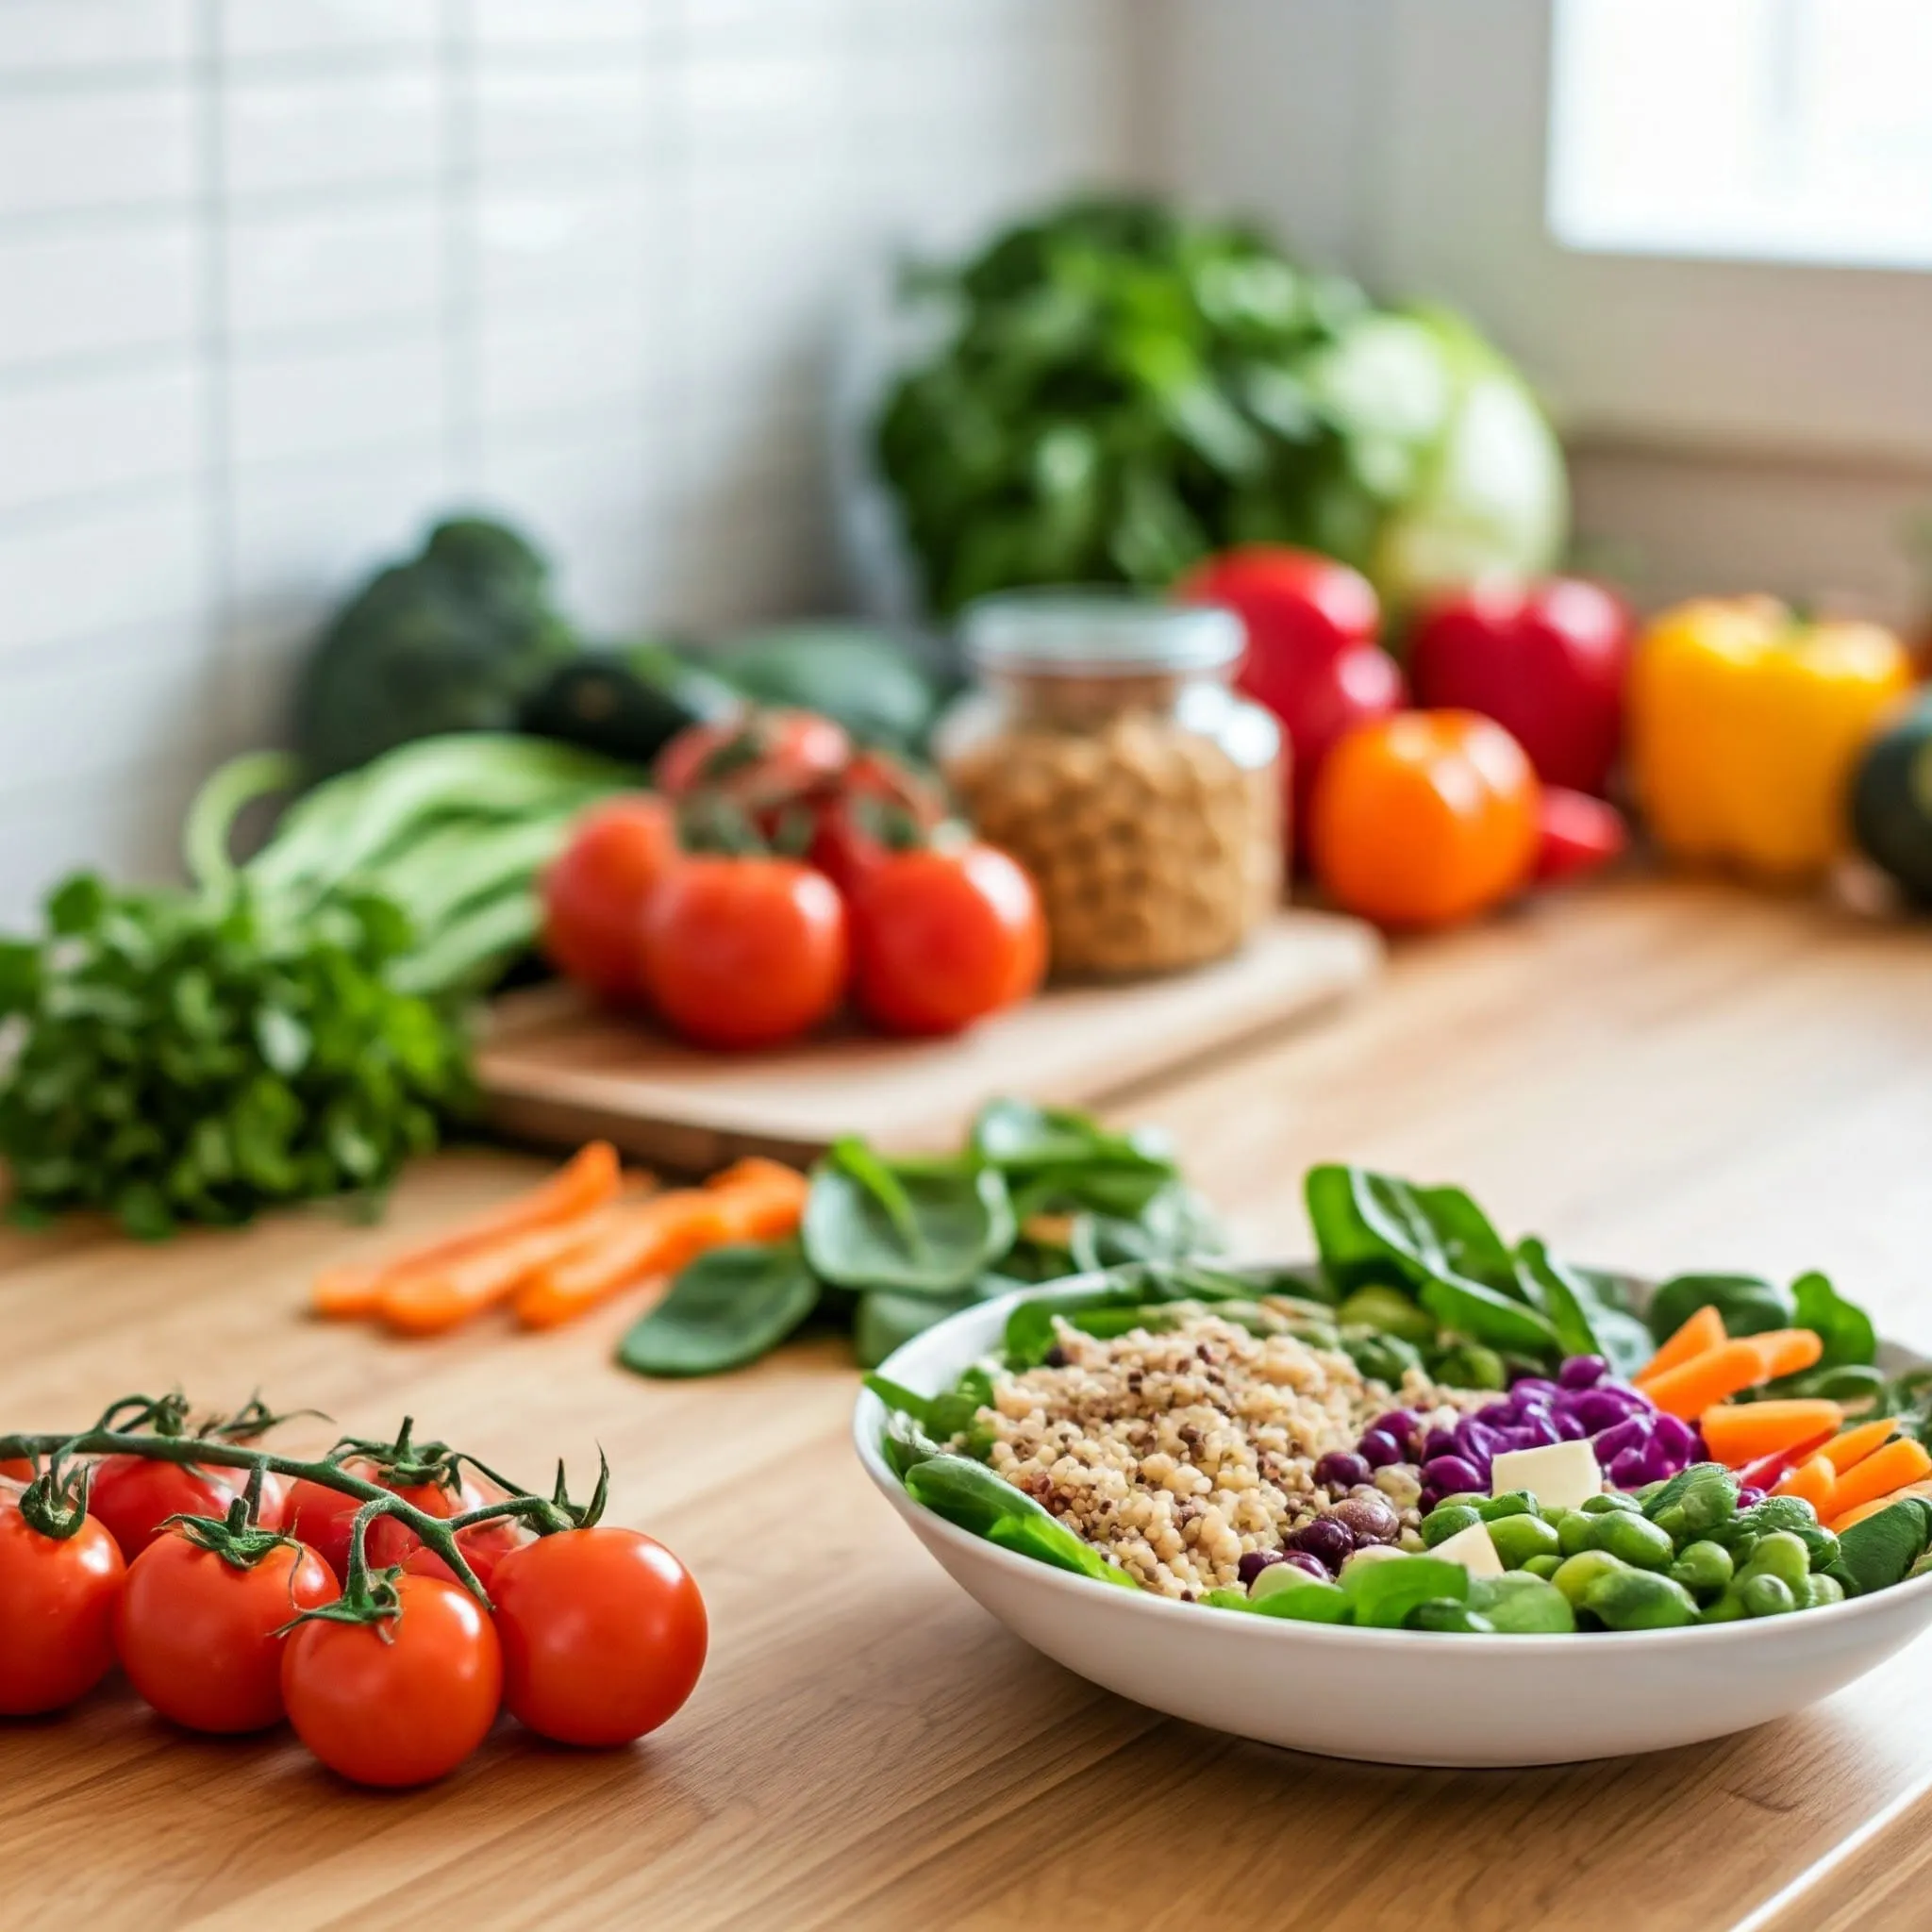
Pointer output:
230, 1609
773, 872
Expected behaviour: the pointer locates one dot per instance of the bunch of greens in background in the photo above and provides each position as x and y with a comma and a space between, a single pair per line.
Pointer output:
891, 1246
1119, 390
291, 1029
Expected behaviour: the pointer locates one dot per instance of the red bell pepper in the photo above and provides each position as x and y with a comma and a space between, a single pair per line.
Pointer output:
1312, 659
1546, 660
1765, 1472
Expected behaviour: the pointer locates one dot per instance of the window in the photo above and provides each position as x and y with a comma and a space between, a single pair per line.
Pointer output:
1777, 130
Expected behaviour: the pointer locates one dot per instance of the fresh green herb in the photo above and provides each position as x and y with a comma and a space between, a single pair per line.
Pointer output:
726, 1308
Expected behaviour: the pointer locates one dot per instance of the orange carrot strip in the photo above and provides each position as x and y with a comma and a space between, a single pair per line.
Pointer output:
426, 1300
759, 1201
1715, 1375
1842, 1452
1811, 1482
1739, 1432
1704, 1329
657, 1237
587, 1180
1839, 1525
1877, 1475
1787, 1351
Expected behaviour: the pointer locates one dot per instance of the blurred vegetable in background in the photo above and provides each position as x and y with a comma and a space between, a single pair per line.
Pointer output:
625, 703
1547, 659
1746, 724
1424, 818
1122, 389
1892, 802
453, 640
1312, 657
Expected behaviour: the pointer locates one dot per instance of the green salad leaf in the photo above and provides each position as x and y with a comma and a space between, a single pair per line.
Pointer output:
725, 1310
921, 1230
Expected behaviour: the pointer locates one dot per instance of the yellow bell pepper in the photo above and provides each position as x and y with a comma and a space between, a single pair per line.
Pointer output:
1745, 721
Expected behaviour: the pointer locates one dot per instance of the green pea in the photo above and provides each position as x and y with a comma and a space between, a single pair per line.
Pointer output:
1780, 1555
1522, 1606
1444, 1613
1446, 1520
1765, 1596
1577, 1533
1640, 1543
1815, 1592
1821, 1544
1703, 1568
1576, 1573
1609, 1500
1520, 1538
1728, 1608
1463, 1499
1639, 1600
1390, 1310
1544, 1567
1470, 1365
1554, 1513
1510, 1503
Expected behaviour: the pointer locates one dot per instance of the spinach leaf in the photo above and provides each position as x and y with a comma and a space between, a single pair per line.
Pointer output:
1383, 1593
1584, 1323
927, 1230
887, 1320
1483, 1315
1374, 1228
726, 1308
1134, 1300
1748, 1303
1879, 1551
951, 1413
1844, 1327
1174, 1223
969, 1495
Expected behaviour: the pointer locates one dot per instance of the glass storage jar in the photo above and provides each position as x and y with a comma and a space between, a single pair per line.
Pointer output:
1104, 748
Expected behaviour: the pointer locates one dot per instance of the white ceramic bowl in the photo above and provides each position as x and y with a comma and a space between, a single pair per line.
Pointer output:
1392, 1696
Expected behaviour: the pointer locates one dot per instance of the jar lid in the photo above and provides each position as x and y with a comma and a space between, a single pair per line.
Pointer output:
1100, 631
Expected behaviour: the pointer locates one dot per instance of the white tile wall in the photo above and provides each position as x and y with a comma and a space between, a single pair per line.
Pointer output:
281, 278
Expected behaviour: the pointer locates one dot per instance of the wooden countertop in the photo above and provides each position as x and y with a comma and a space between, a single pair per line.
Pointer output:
1657, 1075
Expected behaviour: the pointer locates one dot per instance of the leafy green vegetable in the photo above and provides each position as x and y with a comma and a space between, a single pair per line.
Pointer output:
887, 1319
924, 1231
1880, 1550
875, 684
1845, 1329
1382, 1594
967, 1493
1119, 389
1749, 1304
453, 640
1584, 1322
725, 1310
626, 702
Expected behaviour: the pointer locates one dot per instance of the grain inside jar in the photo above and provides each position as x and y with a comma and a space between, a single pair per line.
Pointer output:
1105, 751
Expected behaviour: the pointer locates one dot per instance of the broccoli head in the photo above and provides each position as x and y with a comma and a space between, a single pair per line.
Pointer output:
453, 640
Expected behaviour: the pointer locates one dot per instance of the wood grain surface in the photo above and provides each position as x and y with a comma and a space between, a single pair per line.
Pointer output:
1657, 1075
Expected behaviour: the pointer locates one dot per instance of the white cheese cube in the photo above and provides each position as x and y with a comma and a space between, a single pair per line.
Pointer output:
1473, 1549
1561, 1475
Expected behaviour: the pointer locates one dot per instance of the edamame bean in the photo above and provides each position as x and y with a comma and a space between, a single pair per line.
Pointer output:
1703, 1568
1600, 1505
1728, 1608
1816, 1591
1780, 1555
1576, 1573
1446, 1614
1639, 1600
1765, 1596
1522, 1606
1446, 1520
1640, 1543
1544, 1567
1577, 1533
1517, 1538
1511, 1502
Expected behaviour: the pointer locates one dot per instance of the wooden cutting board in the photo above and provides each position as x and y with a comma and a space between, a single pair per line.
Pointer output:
555, 1069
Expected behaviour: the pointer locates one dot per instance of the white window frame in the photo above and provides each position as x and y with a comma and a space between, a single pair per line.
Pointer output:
1790, 360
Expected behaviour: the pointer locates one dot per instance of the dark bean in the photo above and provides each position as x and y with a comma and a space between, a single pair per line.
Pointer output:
1055, 1358
1369, 1518
1341, 1471
1254, 1562
1326, 1540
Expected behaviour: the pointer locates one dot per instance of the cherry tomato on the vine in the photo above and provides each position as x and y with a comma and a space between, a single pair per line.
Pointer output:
759, 760
133, 1496
17, 1469
744, 952
595, 894
484, 1548
198, 1636
56, 1612
325, 1517
943, 936
604, 1635
403, 1702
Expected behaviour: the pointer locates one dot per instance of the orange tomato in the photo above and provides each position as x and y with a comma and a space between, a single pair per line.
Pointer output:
1424, 818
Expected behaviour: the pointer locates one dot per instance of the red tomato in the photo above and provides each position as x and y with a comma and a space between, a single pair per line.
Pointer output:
133, 1496
56, 1611
604, 1635
874, 797
941, 938
759, 759
323, 1518
594, 895
17, 1468
1547, 660
744, 952
402, 1701
197, 1636
484, 1548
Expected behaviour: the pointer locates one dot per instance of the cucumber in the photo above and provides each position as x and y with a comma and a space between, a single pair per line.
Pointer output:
1891, 803
625, 705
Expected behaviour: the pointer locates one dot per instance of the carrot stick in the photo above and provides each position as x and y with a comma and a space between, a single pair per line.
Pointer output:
759, 1200
1740, 1432
1786, 1351
1715, 1375
587, 1180
426, 1300
657, 1237
1877, 1475
1839, 1525
1855, 1444
1704, 1329
1810, 1482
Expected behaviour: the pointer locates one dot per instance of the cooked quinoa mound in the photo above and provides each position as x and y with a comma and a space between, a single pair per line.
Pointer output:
1178, 1453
